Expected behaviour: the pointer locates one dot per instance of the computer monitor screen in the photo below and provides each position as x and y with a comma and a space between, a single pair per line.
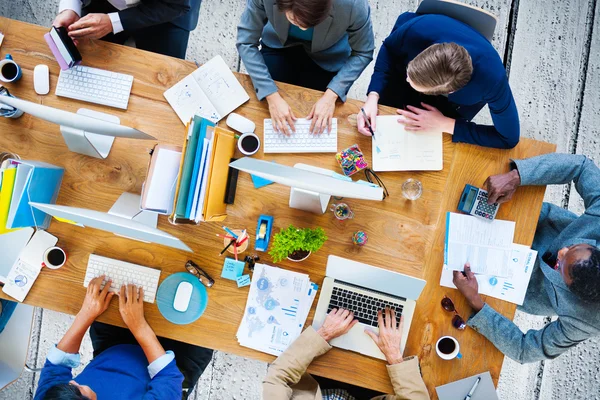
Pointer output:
308, 180
112, 223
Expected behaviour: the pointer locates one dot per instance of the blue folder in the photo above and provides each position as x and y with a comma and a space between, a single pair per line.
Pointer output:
199, 149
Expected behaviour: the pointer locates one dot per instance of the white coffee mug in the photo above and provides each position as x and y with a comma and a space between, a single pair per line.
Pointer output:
50, 262
248, 144
447, 353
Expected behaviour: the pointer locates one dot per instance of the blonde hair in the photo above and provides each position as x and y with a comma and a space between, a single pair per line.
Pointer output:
441, 68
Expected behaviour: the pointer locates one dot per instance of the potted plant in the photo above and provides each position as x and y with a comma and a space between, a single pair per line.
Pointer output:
296, 244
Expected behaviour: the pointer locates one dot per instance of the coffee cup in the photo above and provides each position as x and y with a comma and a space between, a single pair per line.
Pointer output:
448, 348
248, 144
54, 258
9, 70
8, 111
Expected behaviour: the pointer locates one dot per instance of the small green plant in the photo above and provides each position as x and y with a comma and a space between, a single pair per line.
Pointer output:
292, 239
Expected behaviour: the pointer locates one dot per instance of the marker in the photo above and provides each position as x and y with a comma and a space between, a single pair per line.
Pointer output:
232, 241
468, 397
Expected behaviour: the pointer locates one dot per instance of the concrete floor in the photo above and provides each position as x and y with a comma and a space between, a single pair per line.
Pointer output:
552, 52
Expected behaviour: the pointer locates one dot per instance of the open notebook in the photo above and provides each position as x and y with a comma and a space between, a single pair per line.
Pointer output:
212, 91
395, 149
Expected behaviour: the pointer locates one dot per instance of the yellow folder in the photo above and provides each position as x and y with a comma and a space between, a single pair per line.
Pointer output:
8, 181
215, 208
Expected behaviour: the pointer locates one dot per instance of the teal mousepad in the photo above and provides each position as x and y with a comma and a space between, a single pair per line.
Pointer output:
166, 295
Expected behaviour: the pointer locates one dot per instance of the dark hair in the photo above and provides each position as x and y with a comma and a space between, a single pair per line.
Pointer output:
308, 13
442, 68
64, 391
586, 277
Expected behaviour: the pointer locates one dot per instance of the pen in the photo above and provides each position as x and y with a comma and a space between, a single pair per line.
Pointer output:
232, 241
367, 121
230, 232
473, 389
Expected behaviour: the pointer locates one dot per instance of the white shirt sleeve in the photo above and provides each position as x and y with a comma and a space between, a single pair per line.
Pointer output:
74, 5
160, 363
116, 22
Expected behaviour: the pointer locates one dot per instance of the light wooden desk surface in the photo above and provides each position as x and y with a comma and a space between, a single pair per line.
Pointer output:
404, 236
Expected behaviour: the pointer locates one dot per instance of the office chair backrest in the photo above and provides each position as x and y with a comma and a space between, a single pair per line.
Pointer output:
478, 19
14, 344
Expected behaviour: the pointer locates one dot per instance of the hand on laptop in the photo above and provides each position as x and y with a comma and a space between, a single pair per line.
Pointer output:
337, 323
390, 336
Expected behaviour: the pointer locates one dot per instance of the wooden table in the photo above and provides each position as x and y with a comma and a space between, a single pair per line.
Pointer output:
404, 236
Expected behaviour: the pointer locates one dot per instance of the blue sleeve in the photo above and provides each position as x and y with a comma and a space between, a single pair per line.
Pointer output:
52, 375
505, 132
166, 385
389, 57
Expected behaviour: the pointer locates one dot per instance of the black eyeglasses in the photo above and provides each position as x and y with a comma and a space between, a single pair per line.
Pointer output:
372, 177
457, 321
202, 276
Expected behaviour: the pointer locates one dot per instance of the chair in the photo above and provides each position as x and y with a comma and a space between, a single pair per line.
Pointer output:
14, 344
482, 21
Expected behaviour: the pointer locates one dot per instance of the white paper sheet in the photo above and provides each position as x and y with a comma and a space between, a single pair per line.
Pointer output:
485, 245
513, 290
188, 99
164, 176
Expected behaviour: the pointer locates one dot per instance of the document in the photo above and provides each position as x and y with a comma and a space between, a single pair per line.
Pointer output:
485, 245
278, 304
162, 179
212, 92
395, 149
513, 289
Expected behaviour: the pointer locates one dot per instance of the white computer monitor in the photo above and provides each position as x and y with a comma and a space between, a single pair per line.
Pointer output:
114, 222
311, 186
86, 132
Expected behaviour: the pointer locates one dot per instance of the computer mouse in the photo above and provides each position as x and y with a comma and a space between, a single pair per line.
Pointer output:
41, 79
183, 296
240, 124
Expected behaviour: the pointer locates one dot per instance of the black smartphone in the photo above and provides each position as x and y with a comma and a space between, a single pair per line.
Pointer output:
68, 42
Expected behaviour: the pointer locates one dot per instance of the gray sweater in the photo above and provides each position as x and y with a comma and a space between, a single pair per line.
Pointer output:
547, 293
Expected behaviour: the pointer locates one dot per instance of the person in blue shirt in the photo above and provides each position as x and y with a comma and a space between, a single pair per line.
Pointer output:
128, 364
439, 73
319, 44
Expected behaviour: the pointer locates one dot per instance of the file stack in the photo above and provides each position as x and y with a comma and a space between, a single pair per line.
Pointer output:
277, 308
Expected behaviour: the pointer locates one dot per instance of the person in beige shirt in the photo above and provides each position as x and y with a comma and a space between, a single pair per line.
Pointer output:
287, 377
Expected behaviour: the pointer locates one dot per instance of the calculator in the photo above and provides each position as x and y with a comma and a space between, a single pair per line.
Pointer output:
473, 201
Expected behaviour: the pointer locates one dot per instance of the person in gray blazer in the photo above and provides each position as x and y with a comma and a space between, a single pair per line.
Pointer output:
320, 44
565, 281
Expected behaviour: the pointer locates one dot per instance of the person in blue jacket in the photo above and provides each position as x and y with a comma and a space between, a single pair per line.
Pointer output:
128, 364
439, 73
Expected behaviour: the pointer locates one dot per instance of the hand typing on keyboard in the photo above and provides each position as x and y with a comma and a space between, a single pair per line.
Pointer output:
131, 307
321, 115
337, 323
390, 336
96, 300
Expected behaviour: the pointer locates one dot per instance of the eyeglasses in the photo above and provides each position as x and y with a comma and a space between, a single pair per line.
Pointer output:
202, 276
457, 320
372, 177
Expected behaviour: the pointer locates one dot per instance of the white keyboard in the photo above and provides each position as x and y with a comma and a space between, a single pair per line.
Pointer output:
95, 86
302, 141
123, 273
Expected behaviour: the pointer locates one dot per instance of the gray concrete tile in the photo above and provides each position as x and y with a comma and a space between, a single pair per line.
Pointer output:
236, 378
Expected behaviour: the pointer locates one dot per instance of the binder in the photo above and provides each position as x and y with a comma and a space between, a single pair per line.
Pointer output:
38, 182
188, 165
8, 182
204, 123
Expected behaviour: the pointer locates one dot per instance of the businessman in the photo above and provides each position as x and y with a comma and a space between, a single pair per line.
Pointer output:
565, 281
160, 26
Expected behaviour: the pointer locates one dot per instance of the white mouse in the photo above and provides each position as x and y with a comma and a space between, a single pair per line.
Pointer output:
41, 79
240, 124
183, 296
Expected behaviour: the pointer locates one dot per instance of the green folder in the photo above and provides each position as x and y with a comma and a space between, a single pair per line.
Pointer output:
188, 166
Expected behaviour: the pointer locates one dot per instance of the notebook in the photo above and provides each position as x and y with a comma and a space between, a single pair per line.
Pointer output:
212, 91
458, 390
395, 149
11, 244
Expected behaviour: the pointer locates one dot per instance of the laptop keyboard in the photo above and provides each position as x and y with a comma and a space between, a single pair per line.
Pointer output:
364, 307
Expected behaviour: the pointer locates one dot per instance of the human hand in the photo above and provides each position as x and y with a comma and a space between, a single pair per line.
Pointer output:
131, 307
65, 19
466, 283
502, 187
92, 26
96, 300
390, 336
370, 108
322, 112
424, 119
281, 114
337, 323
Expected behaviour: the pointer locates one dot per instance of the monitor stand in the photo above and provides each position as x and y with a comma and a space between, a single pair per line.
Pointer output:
89, 143
128, 206
307, 200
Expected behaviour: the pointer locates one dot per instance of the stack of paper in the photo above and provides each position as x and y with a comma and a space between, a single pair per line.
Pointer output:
278, 304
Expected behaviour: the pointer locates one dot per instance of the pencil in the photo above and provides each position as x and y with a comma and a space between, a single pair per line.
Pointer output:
232, 241
224, 236
235, 251
367, 121
242, 241
230, 232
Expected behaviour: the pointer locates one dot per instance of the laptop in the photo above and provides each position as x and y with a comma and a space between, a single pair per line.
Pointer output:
365, 290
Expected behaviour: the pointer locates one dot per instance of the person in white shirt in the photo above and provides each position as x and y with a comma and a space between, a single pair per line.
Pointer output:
160, 26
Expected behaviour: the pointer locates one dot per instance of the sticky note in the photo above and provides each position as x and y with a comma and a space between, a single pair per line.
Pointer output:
260, 182
243, 280
232, 269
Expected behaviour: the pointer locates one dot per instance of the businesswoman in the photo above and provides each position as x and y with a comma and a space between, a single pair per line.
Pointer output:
319, 44
440, 73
